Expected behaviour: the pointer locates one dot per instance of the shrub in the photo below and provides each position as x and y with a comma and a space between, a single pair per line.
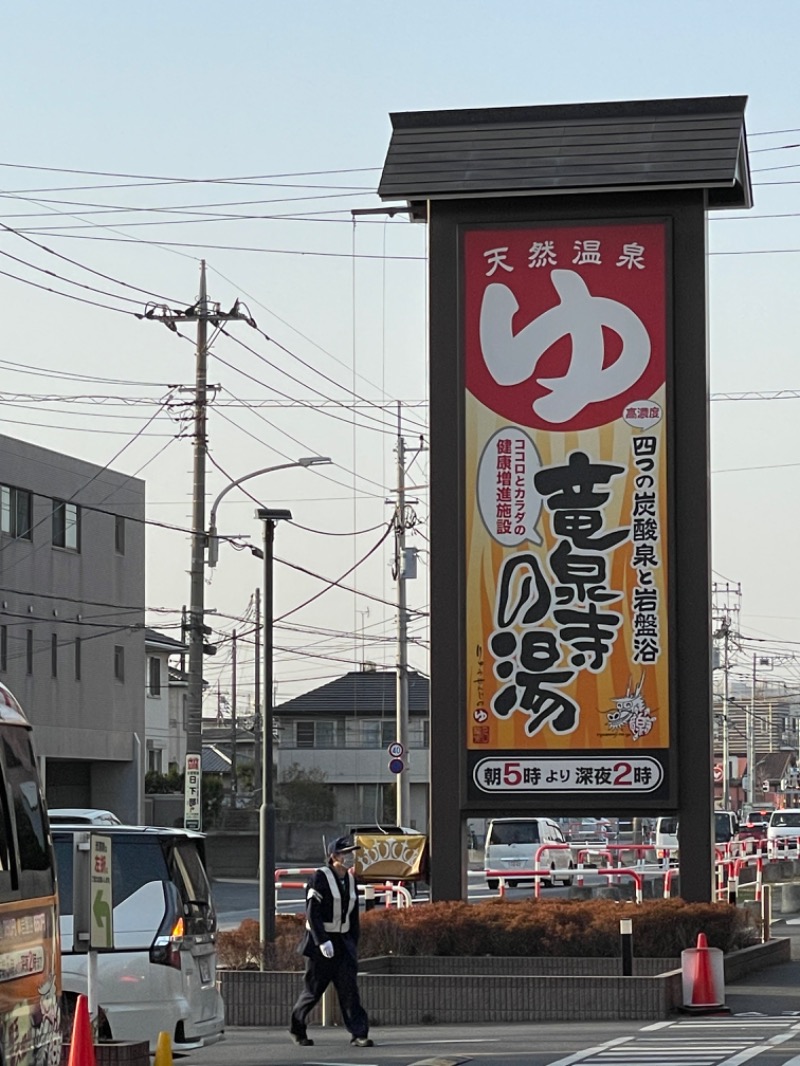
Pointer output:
577, 928
565, 928
241, 949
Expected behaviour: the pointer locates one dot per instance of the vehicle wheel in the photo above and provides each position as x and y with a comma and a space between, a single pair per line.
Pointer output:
491, 883
511, 884
567, 881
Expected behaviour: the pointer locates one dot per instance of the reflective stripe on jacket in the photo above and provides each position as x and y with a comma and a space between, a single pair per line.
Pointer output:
336, 922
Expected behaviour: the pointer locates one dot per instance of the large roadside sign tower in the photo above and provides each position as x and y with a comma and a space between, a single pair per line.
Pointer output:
570, 561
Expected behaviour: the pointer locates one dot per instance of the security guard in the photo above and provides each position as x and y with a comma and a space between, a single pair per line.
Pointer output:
330, 946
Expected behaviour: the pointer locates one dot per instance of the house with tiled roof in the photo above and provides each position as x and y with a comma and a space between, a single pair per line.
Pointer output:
165, 702
344, 728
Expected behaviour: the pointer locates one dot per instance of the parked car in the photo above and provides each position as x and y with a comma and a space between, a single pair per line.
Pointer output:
82, 816
160, 975
512, 844
784, 825
752, 831
592, 831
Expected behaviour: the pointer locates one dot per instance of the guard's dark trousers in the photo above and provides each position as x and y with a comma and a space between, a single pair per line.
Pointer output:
320, 972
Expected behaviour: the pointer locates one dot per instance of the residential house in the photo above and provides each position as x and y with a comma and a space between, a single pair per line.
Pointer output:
344, 729
165, 703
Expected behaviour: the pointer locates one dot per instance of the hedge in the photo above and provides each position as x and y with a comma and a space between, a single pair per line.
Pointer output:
561, 928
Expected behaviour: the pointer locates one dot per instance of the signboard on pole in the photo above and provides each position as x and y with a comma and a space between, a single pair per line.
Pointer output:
192, 811
101, 899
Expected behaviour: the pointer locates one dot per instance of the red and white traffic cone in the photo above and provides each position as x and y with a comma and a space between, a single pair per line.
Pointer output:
703, 978
81, 1046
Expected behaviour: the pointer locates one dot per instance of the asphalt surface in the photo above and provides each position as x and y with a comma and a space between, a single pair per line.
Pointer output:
761, 1023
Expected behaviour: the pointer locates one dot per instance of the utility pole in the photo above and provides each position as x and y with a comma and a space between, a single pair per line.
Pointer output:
726, 733
202, 312
751, 740
403, 785
405, 562
257, 782
234, 760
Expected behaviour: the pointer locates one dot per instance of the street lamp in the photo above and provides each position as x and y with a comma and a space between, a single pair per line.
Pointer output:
266, 813
213, 539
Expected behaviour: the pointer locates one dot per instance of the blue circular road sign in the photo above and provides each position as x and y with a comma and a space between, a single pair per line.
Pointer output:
396, 766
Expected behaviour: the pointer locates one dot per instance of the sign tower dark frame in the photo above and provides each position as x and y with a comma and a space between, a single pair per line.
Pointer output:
668, 161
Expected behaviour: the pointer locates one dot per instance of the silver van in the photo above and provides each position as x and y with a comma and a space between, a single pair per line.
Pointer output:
512, 844
161, 975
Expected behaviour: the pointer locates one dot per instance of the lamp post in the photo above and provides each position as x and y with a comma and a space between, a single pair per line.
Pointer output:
264, 758
213, 538
266, 813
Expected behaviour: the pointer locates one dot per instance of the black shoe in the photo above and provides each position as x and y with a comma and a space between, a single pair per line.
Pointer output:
303, 1040
361, 1041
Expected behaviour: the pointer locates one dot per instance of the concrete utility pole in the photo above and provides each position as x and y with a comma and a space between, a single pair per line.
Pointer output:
234, 723
724, 631
257, 782
202, 312
405, 568
751, 740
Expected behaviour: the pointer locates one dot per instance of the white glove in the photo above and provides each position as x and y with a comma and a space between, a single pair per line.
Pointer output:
327, 949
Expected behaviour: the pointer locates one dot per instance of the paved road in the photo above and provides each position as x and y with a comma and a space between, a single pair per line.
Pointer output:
768, 1040
237, 899
763, 1027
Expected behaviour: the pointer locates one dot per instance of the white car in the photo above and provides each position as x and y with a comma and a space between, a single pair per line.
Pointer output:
784, 825
82, 816
161, 974
512, 845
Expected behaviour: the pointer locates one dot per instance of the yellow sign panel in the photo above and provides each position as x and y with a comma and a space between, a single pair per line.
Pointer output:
566, 416
386, 857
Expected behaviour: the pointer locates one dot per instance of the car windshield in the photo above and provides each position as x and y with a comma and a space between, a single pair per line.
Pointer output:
786, 818
514, 833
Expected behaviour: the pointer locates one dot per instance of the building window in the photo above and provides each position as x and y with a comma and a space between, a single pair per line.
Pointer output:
29, 651
53, 655
77, 658
304, 734
377, 734
154, 761
319, 734
153, 676
119, 662
119, 534
3, 647
15, 512
66, 525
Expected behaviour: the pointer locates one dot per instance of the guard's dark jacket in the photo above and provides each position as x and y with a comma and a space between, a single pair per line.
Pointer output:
331, 912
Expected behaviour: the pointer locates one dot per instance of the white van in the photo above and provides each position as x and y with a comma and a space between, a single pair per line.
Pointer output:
161, 975
512, 843
726, 825
784, 825
666, 836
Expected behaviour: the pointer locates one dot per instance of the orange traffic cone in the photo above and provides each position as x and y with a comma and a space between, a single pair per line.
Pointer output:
81, 1048
703, 993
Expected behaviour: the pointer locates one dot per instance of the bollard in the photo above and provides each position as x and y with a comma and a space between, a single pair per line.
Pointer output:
766, 912
163, 1056
369, 897
733, 888
626, 942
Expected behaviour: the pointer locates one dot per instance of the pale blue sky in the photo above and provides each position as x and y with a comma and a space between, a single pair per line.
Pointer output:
219, 91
